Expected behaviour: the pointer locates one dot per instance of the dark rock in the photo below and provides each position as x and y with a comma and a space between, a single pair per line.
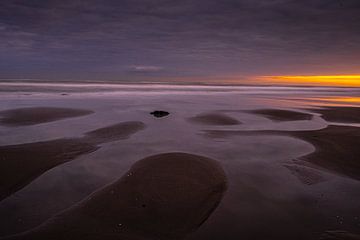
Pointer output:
159, 114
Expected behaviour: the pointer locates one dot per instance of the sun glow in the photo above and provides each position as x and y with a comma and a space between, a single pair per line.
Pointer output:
318, 80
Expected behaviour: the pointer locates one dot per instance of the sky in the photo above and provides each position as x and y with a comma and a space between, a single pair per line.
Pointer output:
236, 41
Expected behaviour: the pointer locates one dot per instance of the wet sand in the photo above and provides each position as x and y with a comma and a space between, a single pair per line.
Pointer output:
337, 147
214, 119
340, 114
339, 235
37, 115
306, 175
288, 179
166, 196
282, 115
114, 132
22, 163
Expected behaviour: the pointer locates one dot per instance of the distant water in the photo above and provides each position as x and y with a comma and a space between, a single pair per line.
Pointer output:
157, 88
290, 96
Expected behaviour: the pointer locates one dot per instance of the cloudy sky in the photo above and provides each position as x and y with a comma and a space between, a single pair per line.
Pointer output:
175, 41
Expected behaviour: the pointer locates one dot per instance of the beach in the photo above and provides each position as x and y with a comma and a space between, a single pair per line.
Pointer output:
261, 162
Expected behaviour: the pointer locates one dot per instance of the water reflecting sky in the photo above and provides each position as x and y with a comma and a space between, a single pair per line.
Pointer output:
265, 200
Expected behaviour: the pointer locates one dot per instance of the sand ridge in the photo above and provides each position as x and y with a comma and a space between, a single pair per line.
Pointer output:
165, 196
280, 115
340, 114
37, 115
22, 163
337, 147
214, 119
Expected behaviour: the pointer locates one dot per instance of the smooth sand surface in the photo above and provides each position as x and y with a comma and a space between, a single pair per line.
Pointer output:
37, 115
339, 235
214, 119
337, 147
280, 115
340, 114
114, 132
165, 196
22, 163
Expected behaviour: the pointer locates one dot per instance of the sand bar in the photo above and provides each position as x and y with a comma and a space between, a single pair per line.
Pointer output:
37, 115
340, 114
165, 196
280, 115
214, 119
22, 163
337, 147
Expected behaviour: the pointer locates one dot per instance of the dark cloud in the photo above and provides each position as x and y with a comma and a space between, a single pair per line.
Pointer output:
109, 39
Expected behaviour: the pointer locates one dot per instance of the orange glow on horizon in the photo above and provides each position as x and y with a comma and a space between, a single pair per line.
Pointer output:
318, 80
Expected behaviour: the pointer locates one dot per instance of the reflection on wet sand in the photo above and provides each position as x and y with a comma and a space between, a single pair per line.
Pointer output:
338, 100
37, 115
20, 164
165, 196
337, 147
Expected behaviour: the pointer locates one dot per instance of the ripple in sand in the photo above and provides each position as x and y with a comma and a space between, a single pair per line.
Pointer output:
165, 196
22, 163
37, 115
214, 119
307, 176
